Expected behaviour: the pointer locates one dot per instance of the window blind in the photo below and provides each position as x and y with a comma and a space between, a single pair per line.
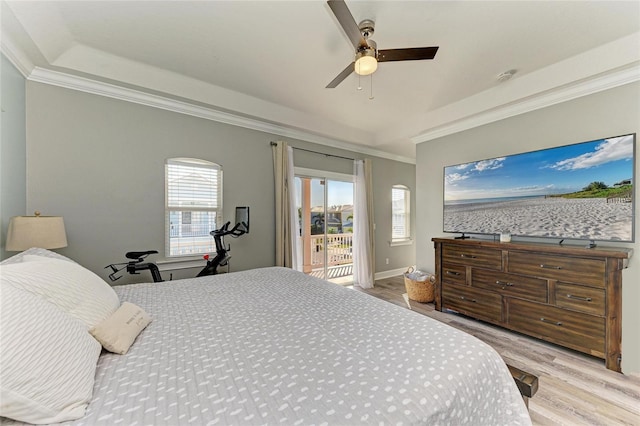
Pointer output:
193, 186
193, 205
400, 213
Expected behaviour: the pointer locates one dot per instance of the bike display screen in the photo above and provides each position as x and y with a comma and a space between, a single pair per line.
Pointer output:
242, 217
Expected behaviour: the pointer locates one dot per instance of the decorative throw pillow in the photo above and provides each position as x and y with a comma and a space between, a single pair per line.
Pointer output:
47, 359
72, 288
117, 333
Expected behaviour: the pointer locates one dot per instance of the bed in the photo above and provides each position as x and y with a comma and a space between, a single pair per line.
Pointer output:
275, 346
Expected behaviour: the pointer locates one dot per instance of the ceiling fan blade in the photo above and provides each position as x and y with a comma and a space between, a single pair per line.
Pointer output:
344, 74
410, 54
348, 24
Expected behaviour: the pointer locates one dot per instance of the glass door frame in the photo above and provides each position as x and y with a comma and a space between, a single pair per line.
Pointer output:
302, 172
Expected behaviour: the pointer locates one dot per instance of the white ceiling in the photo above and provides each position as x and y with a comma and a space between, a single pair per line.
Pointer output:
269, 61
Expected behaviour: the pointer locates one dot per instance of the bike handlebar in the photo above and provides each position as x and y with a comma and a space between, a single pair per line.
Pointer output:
224, 230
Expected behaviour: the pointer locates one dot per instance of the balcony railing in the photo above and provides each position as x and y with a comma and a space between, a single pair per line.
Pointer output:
191, 229
338, 249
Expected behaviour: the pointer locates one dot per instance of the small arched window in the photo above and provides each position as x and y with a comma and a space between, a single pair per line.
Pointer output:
193, 205
400, 214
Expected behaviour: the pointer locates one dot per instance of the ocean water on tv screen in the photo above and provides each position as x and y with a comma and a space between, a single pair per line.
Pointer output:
488, 200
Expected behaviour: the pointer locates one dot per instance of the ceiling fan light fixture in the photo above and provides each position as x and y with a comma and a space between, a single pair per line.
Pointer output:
367, 54
366, 62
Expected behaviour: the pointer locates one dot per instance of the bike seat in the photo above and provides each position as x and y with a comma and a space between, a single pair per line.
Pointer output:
139, 254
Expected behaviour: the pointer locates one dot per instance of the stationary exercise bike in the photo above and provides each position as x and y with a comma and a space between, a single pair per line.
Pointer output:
137, 264
222, 252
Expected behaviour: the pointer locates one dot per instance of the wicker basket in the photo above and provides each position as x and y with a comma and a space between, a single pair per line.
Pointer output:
420, 291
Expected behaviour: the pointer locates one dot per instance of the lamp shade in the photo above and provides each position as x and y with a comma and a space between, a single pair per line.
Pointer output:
36, 231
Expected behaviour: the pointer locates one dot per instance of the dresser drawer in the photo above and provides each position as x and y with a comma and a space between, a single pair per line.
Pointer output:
585, 299
524, 287
578, 331
473, 302
454, 274
472, 256
570, 269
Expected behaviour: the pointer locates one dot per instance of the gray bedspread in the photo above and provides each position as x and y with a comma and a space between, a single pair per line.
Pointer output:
274, 346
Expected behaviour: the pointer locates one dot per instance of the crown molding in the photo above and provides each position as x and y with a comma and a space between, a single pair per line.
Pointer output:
548, 98
16, 56
86, 85
545, 99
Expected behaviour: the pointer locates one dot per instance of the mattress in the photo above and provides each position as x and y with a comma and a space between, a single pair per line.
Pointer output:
275, 346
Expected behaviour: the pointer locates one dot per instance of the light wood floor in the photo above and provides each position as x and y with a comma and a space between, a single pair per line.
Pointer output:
574, 389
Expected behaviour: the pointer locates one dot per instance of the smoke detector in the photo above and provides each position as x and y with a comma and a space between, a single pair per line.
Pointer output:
502, 77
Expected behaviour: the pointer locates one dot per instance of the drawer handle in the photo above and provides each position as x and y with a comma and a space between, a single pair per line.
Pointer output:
584, 299
550, 267
470, 300
468, 256
550, 322
452, 273
508, 284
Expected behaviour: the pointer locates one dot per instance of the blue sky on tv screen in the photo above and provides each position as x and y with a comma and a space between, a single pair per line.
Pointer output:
551, 171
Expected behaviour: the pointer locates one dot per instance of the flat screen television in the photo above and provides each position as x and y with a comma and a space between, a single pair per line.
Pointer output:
582, 191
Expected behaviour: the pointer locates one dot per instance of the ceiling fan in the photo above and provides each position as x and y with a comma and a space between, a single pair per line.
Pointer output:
367, 54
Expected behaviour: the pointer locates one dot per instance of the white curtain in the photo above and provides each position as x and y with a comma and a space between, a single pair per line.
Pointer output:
294, 223
287, 227
363, 247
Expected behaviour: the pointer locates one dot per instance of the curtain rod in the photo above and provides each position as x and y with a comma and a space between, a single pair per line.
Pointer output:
316, 152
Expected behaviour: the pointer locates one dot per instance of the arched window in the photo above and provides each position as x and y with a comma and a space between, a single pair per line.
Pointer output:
400, 213
193, 205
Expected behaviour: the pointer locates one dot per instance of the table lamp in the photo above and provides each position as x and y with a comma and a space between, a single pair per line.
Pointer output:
45, 232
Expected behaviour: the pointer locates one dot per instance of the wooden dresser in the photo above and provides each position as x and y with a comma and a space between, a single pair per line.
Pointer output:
568, 295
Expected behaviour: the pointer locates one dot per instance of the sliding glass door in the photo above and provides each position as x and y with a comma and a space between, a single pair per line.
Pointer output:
325, 212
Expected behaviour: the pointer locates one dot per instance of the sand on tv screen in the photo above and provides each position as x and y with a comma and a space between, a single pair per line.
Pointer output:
580, 191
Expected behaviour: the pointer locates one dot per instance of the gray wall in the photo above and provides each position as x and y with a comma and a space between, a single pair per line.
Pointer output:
610, 113
99, 162
13, 201
386, 174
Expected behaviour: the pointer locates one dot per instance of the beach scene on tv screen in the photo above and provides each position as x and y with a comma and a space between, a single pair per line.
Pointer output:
579, 191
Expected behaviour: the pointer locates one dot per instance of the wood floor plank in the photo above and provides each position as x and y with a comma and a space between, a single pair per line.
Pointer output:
575, 389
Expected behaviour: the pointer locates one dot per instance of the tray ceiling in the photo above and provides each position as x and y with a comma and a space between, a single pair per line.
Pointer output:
269, 61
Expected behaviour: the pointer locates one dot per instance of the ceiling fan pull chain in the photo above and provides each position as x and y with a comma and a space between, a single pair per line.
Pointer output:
371, 93
359, 85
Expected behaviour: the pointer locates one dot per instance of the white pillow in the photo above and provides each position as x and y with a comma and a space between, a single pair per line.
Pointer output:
48, 360
26, 257
34, 251
72, 288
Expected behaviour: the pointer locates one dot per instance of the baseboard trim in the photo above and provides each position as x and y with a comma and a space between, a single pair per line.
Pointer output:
390, 273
